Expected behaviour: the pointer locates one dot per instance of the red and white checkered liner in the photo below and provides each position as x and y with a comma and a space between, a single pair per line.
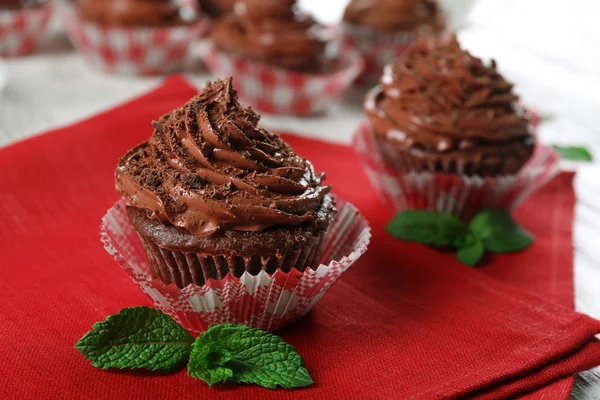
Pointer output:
377, 49
267, 302
132, 51
277, 91
447, 193
21, 31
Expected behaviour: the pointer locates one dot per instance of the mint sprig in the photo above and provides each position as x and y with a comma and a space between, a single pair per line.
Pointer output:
428, 227
573, 153
499, 233
491, 230
137, 337
471, 251
142, 337
547, 117
246, 355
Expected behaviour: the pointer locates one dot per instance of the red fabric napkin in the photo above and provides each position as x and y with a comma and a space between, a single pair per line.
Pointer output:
555, 281
406, 322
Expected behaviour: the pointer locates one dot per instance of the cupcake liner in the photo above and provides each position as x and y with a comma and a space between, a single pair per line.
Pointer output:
377, 48
449, 193
265, 301
278, 91
183, 269
22, 30
536, 118
131, 50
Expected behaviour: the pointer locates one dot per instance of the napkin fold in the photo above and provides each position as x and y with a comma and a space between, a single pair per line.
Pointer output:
406, 322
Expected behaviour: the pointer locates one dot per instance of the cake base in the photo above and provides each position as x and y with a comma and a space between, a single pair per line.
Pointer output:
176, 256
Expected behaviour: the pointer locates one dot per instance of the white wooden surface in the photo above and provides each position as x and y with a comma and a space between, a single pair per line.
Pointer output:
548, 47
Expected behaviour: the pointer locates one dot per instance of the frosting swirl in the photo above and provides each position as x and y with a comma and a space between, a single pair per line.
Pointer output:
151, 13
208, 167
418, 16
439, 98
273, 31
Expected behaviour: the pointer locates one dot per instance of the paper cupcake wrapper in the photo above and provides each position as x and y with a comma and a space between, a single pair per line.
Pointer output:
197, 268
278, 91
378, 49
449, 193
131, 50
264, 301
21, 30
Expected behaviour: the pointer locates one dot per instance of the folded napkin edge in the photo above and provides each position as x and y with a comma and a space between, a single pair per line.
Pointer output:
584, 334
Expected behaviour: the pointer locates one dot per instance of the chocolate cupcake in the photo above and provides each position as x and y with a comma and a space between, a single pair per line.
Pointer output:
382, 29
439, 109
446, 133
415, 16
211, 193
13, 5
23, 24
134, 37
276, 33
138, 13
216, 8
281, 58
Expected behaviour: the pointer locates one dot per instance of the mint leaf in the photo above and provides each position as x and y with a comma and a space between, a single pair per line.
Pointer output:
213, 358
547, 117
492, 230
137, 337
573, 153
427, 227
499, 233
471, 252
246, 355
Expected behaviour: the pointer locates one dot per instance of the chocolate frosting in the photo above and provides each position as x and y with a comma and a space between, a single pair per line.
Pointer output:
208, 167
216, 8
275, 32
418, 16
150, 13
439, 98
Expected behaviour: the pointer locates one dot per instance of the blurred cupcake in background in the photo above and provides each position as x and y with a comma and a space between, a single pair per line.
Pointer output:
446, 132
284, 61
22, 25
382, 29
134, 37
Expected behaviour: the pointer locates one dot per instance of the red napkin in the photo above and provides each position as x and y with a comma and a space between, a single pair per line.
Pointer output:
405, 322
555, 280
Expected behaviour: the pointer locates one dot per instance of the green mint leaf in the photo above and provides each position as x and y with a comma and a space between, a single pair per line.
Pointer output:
246, 355
573, 153
137, 337
212, 358
428, 227
547, 117
499, 233
472, 252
